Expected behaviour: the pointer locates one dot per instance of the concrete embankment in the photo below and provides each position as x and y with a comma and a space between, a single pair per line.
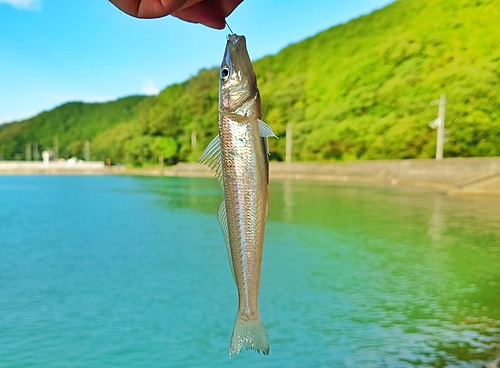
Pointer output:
452, 175
71, 166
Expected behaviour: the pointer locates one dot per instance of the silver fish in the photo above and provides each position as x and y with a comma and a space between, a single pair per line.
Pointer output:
239, 156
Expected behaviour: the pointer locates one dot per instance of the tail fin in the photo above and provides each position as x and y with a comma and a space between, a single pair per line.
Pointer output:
251, 333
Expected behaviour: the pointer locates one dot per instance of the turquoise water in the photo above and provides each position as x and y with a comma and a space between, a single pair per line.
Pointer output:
132, 272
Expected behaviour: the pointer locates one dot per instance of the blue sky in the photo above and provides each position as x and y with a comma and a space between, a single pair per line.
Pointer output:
54, 51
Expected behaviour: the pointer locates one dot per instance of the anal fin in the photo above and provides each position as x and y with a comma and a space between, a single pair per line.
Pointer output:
222, 220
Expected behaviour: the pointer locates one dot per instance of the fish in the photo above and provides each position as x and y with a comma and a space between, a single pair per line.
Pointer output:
239, 156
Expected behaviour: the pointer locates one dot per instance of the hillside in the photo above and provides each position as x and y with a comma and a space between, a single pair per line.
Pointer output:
360, 90
72, 123
363, 89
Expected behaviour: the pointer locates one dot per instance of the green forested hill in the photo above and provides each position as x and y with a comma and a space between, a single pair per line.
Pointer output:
361, 90
72, 123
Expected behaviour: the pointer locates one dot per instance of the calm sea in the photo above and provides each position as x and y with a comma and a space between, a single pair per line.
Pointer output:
132, 272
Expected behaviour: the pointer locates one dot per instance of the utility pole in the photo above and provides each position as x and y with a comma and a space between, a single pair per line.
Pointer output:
439, 124
288, 153
193, 139
28, 152
36, 154
56, 147
86, 150
160, 164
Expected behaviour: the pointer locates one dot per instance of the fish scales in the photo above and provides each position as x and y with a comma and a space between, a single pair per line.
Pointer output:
245, 188
239, 156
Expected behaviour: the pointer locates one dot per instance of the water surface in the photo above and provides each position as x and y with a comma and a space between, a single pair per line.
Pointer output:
132, 272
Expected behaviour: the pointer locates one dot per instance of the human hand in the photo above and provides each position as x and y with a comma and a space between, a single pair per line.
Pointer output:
211, 13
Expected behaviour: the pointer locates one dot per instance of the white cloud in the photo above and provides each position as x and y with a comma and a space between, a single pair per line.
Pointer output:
150, 88
23, 4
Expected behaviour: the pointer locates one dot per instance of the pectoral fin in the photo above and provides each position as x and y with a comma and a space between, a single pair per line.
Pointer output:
212, 158
265, 131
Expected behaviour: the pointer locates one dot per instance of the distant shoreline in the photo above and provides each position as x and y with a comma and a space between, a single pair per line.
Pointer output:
452, 175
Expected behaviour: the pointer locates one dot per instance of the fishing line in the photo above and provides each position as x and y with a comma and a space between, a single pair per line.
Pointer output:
230, 30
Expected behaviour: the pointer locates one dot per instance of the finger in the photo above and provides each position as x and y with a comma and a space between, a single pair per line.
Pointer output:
189, 3
205, 12
149, 8
228, 6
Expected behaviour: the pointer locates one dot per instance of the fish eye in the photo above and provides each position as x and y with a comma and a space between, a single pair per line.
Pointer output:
224, 73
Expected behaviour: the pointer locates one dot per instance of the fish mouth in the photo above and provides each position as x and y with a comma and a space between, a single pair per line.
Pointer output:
240, 83
236, 40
